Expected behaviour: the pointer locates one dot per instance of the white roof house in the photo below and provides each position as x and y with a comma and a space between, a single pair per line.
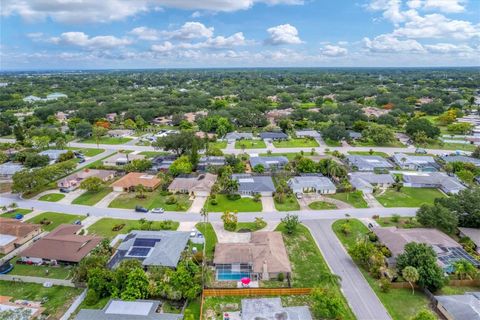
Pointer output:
420, 163
271, 309
438, 180
307, 133
312, 183
365, 181
53, 154
368, 163
8, 169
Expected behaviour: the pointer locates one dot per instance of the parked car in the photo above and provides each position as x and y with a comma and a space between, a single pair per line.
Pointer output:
421, 151
6, 268
81, 160
299, 195
78, 222
157, 210
64, 190
141, 209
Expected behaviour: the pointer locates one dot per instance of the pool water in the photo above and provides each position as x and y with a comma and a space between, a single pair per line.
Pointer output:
227, 275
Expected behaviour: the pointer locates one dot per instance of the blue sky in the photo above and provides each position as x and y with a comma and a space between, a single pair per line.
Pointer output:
73, 34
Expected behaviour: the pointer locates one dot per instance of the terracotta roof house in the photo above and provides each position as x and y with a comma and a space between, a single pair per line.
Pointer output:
460, 307
121, 159
264, 257
197, 185
133, 179
62, 245
272, 309
438, 180
14, 233
312, 184
73, 181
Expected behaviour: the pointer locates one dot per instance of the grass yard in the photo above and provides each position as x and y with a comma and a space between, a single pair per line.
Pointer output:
107, 140
58, 272
360, 143
55, 219
52, 197
321, 205
400, 303
353, 198
218, 144
13, 213
250, 144
408, 197
399, 222
290, 204
90, 198
58, 298
451, 290
241, 205
210, 237
87, 152
367, 153
250, 226
449, 146
193, 309
103, 227
332, 143
152, 200
296, 143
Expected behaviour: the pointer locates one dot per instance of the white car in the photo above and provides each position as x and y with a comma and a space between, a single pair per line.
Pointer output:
157, 210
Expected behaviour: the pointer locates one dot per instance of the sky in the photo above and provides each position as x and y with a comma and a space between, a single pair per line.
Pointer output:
124, 34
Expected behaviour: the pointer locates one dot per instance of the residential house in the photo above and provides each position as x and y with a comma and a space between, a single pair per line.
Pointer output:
473, 234
233, 136
464, 159
34, 307
263, 258
423, 100
128, 310
120, 133
121, 159
368, 163
32, 98
163, 162
249, 185
271, 309
53, 154
274, 115
312, 184
438, 180
162, 121
203, 135
151, 248
195, 185
62, 245
448, 251
14, 233
353, 135
274, 135
129, 181
73, 181
111, 116
206, 162
366, 181
418, 163
8, 169
460, 307
61, 116
308, 134
269, 163
192, 116
374, 112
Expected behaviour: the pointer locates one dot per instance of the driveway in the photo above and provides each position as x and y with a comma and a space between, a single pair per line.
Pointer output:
197, 204
360, 296
107, 199
69, 197
268, 204
371, 200
225, 236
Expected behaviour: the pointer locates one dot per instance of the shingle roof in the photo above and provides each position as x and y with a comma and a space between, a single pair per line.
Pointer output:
473, 234
17, 228
239, 135
416, 160
203, 182
472, 160
311, 181
10, 168
442, 180
462, 307
372, 178
368, 162
273, 135
308, 133
254, 184
52, 154
266, 162
133, 179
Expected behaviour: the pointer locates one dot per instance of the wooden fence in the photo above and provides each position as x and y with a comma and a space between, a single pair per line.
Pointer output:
256, 292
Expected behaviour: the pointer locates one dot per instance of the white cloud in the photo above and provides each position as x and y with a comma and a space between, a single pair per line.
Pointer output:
333, 51
391, 9
219, 42
389, 43
444, 48
166, 47
145, 33
415, 4
447, 6
283, 34
81, 39
189, 30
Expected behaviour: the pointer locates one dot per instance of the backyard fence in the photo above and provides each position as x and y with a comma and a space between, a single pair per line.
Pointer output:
256, 292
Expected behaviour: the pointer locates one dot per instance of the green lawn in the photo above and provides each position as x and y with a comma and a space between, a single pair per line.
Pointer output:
369, 143
401, 304
409, 197
58, 298
56, 219
290, 204
296, 143
250, 144
332, 143
353, 198
210, 237
87, 152
250, 226
107, 140
451, 290
289, 155
15, 212
241, 205
103, 227
57, 272
449, 146
399, 222
367, 153
90, 198
321, 205
152, 200
193, 308
218, 144
52, 197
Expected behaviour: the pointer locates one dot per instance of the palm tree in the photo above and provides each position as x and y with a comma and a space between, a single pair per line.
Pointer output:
231, 186
465, 269
410, 274
140, 190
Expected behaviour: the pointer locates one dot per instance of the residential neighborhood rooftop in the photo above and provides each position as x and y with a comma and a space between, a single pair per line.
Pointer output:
456, 158
272, 309
268, 162
460, 307
368, 163
248, 183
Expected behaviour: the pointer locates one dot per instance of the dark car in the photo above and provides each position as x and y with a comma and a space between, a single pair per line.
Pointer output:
141, 209
6, 268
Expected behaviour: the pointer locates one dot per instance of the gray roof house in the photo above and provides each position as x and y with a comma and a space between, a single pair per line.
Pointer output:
460, 307
438, 180
272, 309
8, 169
128, 310
210, 161
152, 248
312, 184
455, 158
249, 184
307, 133
419, 163
354, 135
473, 234
53, 154
365, 181
277, 162
239, 136
368, 163
273, 135
163, 162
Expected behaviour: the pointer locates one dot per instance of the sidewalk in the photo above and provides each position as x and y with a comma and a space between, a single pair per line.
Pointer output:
69, 197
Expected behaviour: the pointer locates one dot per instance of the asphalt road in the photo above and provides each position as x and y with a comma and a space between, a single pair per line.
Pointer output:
360, 296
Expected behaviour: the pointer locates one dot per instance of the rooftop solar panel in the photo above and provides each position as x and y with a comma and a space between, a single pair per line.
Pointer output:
142, 242
138, 252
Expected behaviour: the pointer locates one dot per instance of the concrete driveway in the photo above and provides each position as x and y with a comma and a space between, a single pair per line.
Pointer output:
197, 204
69, 197
107, 199
268, 204
225, 236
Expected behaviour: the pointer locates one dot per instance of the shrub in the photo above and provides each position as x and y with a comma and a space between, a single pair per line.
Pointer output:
165, 193
213, 196
213, 202
233, 197
118, 227
281, 277
395, 218
257, 197
171, 200
384, 285
180, 207
91, 298
372, 237
345, 227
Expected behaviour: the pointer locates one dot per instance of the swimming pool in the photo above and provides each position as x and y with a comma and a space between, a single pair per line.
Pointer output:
228, 275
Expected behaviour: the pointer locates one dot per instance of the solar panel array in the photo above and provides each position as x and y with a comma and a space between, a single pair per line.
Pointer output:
143, 242
454, 254
139, 252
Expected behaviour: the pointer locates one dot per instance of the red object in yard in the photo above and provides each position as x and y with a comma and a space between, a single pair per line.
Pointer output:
245, 281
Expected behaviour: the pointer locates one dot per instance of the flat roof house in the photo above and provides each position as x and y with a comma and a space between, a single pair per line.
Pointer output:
249, 185
272, 309
8, 169
121, 159
455, 158
263, 258
276, 162
273, 135
73, 181
368, 163
438, 180
312, 184
206, 162
308, 134
128, 310
366, 181
233, 136
53, 154
419, 163
197, 185
14, 233
62, 245
460, 307
152, 248
133, 179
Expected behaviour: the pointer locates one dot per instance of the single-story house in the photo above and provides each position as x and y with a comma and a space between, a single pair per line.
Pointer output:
308, 134
61, 116
312, 184
120, 133
438, 180
121, 159
368, 163
448, 250
62, 245
473, 234
34, 307
14, 233
55, 96
273, 135
233, 136
162, 121
455, 158
32, 98
196, 185
152, 248
206, 162
460, 307
73, 181
53, 154
8, 169
248, 184
353, 135
129, 181
163, 163
272, 308
419, 163
276, 162
366, 181
263, 258
128, 310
